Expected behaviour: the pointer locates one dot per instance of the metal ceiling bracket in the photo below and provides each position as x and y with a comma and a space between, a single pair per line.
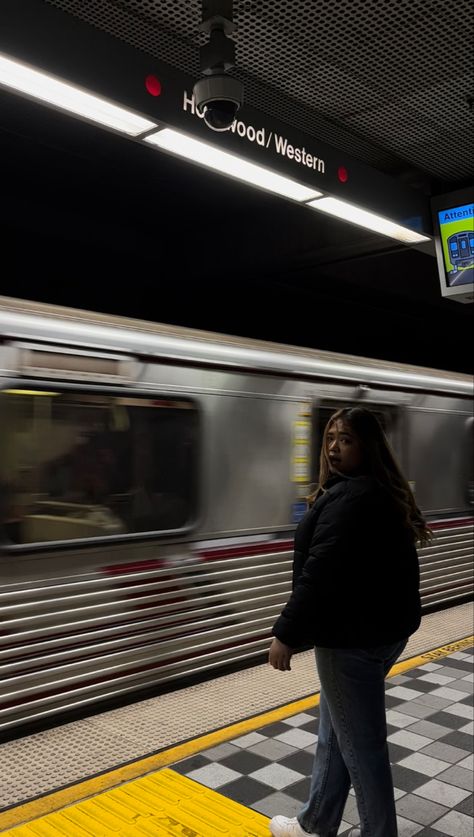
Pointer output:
217, 14
218, 54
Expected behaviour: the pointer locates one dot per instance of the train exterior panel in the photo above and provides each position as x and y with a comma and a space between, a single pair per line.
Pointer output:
151, 478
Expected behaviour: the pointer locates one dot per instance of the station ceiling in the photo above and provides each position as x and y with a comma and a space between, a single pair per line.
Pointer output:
389, 83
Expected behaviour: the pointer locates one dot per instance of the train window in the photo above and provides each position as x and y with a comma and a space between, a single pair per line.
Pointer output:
74, 465
322, 414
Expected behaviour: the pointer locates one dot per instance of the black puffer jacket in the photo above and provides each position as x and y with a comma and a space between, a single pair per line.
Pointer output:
355, 571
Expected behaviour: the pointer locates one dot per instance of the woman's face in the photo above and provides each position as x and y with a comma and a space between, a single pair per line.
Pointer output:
343, 448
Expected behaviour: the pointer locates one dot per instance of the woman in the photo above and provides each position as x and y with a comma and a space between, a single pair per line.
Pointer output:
356, 598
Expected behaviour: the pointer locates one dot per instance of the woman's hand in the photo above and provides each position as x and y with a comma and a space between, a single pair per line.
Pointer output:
280, 655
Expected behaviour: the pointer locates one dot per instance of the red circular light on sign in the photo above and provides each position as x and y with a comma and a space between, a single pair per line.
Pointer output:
343, 174
153, 85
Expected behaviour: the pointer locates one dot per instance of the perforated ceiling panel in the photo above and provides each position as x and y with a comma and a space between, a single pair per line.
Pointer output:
388, 82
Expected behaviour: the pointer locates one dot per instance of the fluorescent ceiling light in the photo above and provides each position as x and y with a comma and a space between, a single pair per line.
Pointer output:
356, 215
51, 90
230, 164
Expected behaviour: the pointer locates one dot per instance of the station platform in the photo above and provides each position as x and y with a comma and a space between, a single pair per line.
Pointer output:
222, 757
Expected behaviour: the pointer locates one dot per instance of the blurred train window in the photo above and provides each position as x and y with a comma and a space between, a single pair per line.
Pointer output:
74, 465
322, 414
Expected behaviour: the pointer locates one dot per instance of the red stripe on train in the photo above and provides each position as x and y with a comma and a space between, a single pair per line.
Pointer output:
213, 554
151, 564
451, 524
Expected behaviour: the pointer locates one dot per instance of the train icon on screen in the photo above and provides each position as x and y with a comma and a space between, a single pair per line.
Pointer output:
461, 249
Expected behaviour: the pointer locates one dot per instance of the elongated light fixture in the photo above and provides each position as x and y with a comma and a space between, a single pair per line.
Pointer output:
24, 79
355, 215
230, 164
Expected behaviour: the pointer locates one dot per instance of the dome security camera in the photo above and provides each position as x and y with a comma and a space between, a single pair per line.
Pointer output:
217, 99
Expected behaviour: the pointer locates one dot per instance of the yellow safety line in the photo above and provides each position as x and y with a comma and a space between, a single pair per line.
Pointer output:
91, 787
164, 804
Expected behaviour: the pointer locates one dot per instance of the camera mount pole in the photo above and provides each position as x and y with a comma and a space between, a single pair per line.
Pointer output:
218, 55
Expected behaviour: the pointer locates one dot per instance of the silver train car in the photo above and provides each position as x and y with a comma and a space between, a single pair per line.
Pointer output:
150, 481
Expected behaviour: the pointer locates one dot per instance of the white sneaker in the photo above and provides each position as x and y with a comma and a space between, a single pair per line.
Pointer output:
284, 827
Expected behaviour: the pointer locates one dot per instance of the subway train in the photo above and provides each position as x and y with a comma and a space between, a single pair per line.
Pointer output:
151, 478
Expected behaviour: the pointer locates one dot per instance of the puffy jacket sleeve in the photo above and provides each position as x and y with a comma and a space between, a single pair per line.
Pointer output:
316, 589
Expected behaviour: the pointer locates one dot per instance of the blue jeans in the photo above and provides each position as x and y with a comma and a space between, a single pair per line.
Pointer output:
352, 742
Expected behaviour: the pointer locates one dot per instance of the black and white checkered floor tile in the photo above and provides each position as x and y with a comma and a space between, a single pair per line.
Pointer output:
430, 733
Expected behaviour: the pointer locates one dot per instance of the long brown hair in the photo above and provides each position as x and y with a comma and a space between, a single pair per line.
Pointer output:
381, 463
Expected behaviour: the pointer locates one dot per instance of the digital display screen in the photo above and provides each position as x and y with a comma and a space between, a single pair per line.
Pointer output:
456, 227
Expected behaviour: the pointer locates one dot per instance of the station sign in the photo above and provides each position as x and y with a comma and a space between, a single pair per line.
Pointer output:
54, 42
